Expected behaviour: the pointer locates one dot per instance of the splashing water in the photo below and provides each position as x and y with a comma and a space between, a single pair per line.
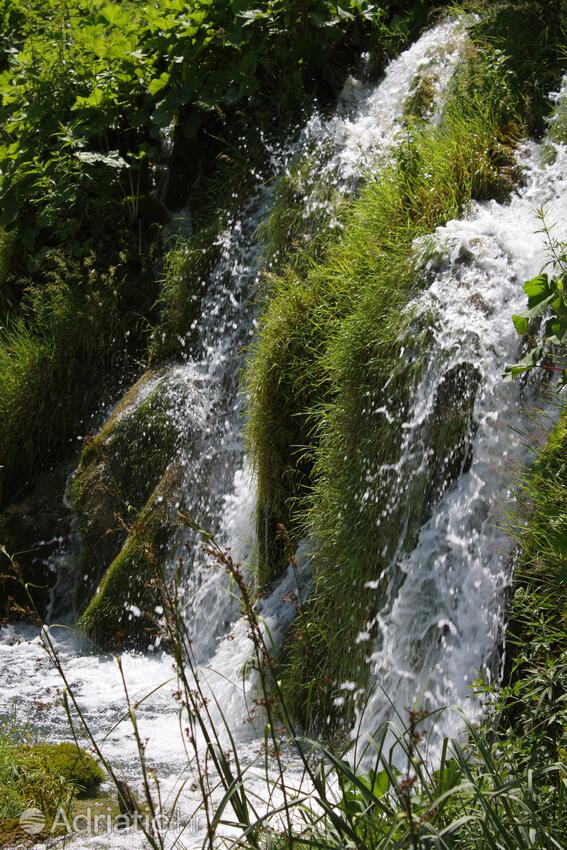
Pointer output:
443, 615
444, 618
370, 119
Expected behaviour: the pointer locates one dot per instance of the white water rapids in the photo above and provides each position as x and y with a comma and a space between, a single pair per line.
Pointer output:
443, 616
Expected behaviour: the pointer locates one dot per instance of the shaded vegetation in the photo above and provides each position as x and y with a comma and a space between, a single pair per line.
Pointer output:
111, 115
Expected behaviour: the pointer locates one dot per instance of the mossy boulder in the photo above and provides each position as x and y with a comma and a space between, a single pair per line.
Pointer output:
33, 531
120, 468
122, 613
47, 777
67, 761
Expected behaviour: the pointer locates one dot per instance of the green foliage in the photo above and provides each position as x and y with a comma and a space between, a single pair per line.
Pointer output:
52, 359
96, 98
328, 342
44, 776
547, 312
538, 629
72, 764
531, 34
94, 84
483, 794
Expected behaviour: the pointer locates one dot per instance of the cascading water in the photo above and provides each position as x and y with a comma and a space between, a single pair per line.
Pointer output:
443, 613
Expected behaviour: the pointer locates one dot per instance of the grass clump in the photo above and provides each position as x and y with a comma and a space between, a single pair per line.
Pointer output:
335, 344
537, 632
186, 268
43, 776
54, 357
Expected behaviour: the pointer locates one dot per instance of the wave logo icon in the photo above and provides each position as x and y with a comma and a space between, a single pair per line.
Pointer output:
32, 821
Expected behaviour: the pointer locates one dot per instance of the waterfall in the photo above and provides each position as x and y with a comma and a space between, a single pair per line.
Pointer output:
444, 613
365, 129
443, 616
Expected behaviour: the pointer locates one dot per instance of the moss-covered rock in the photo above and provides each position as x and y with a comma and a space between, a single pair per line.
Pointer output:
52, 778
42, 775
32, 531
72, 764
122, 612
121, 466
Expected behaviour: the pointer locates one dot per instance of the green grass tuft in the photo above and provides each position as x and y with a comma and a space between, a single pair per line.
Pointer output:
330, 339
43, 776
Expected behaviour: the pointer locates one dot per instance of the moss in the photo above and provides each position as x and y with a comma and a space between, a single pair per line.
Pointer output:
335, 344
72, 764
119, 468
186, 268
123, 610
44, 776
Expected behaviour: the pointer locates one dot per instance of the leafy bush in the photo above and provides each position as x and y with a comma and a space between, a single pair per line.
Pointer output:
96, 98
93, 87
544, 323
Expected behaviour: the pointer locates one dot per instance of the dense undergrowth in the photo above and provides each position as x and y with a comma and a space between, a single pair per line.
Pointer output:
334, 330
112, 115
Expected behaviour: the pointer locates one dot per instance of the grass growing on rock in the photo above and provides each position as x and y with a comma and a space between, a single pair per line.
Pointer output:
330, 339
537, 632
186, 267
43, 776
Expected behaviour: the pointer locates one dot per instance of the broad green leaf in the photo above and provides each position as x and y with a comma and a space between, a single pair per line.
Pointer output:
158, 83
521, 323
94, 100
116, 15
537, 289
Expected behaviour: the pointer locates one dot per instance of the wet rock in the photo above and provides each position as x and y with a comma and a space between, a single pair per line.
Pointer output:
119, 469
452, 427
125, 610
33, 531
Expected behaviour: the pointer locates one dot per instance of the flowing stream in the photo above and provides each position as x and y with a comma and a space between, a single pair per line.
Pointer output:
443, 616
